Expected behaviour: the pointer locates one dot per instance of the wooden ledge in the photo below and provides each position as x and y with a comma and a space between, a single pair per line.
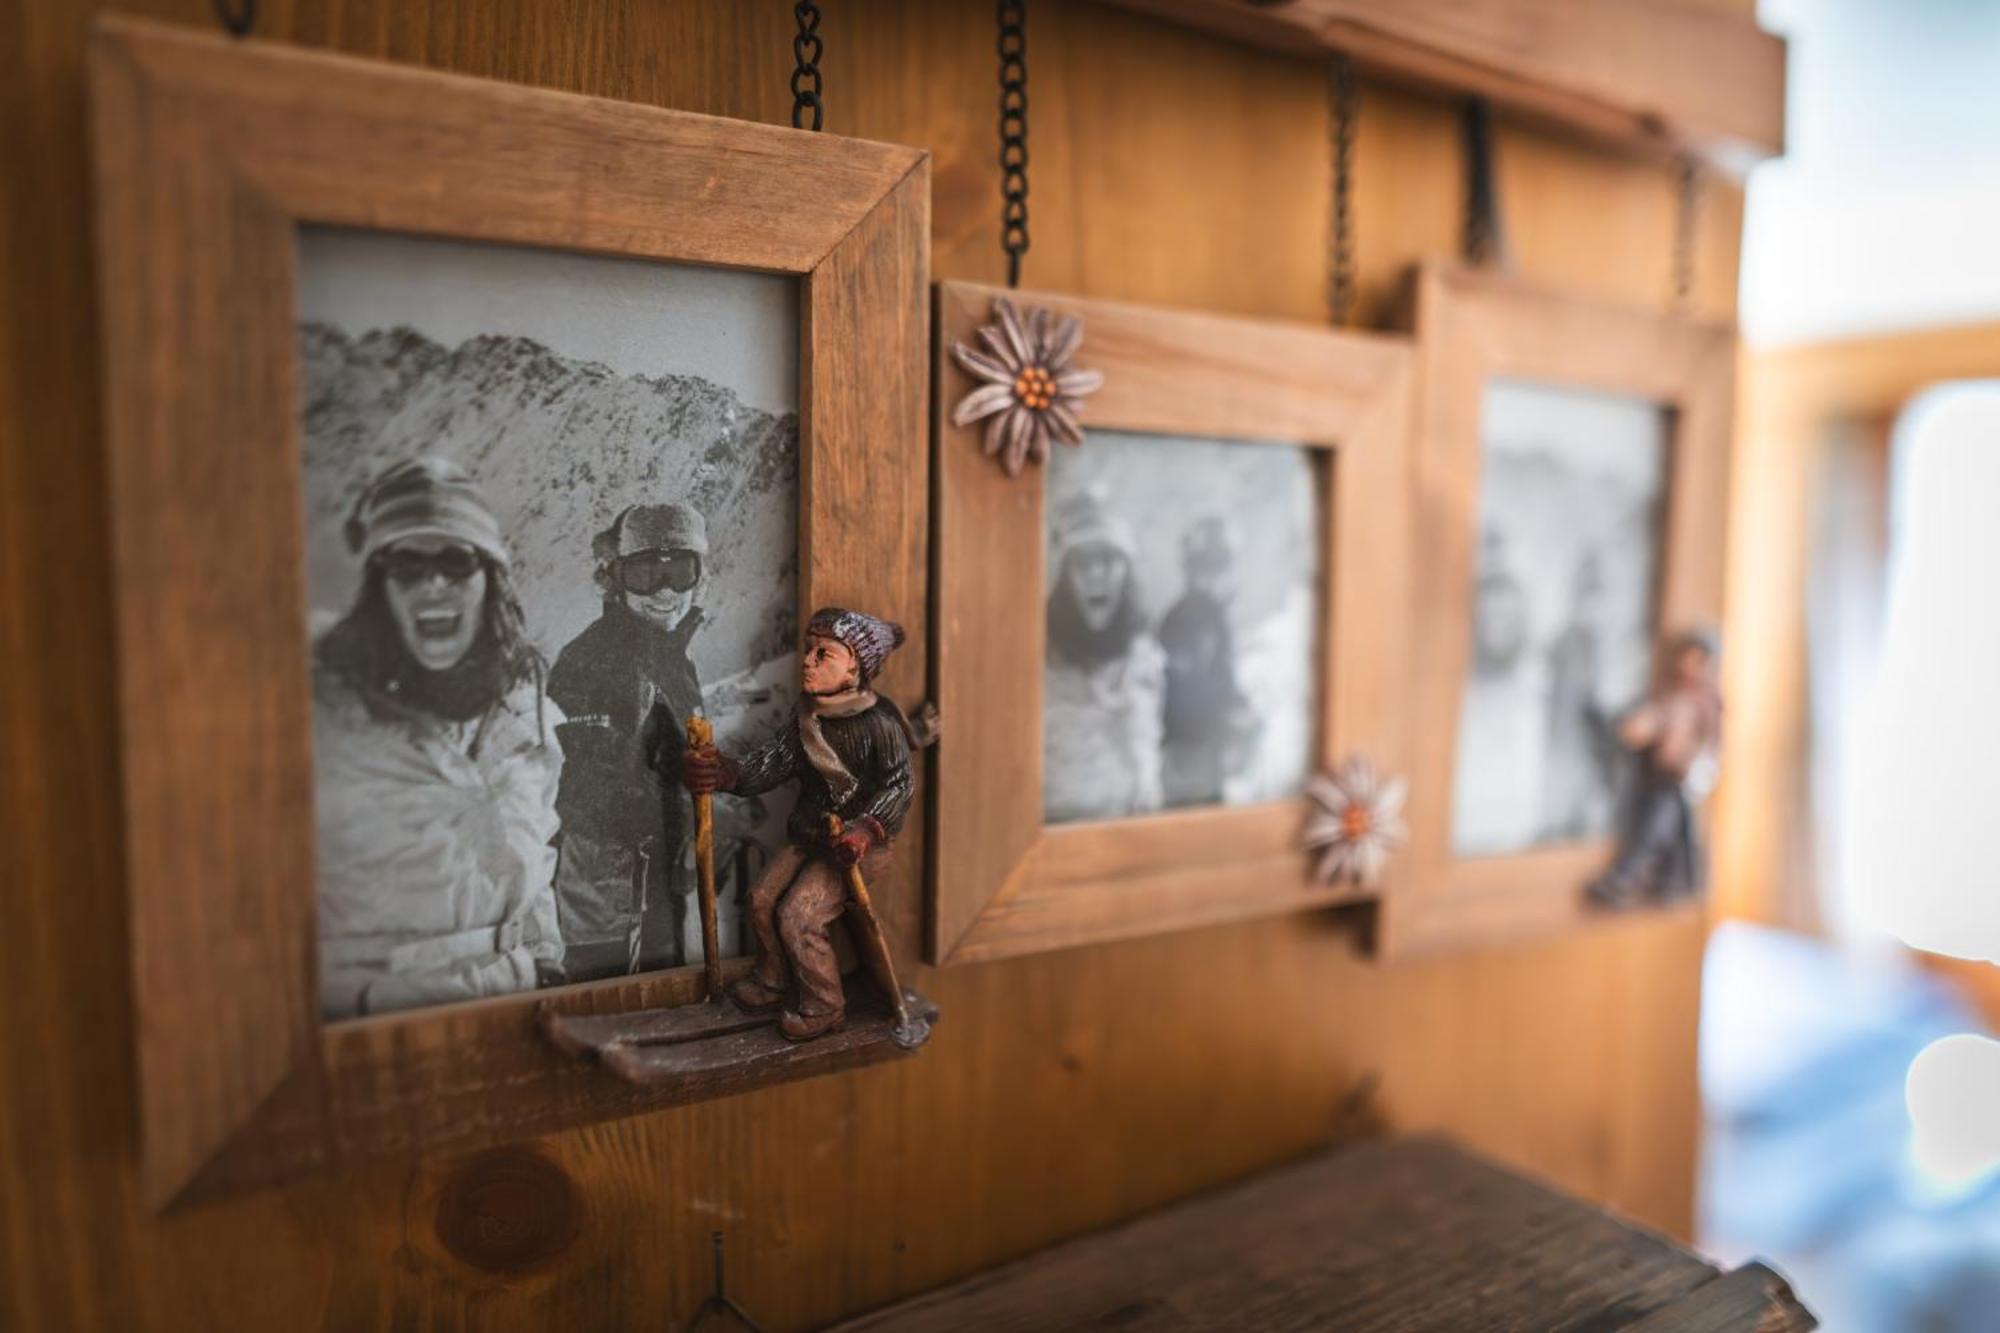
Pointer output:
712, 1048
1663, 76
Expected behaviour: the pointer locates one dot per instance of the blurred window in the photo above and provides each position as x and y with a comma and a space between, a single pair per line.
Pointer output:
1917, 735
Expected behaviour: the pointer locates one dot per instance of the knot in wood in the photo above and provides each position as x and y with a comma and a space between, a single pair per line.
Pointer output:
507, 1211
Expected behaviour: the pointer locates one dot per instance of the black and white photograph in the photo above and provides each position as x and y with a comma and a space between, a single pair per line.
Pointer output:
551, 509
1572, 495
1183, 587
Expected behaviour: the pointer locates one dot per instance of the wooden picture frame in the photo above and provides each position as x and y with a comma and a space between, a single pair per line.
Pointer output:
1003, 883
210, 154
1473, 327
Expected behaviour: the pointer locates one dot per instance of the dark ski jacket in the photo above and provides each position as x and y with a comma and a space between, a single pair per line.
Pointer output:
627, 689
1201, 670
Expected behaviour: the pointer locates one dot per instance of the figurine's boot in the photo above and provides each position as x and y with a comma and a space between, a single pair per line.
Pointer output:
804, 1027
754, 997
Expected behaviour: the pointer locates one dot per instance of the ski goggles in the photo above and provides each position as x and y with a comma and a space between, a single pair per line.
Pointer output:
455, 564
649, 571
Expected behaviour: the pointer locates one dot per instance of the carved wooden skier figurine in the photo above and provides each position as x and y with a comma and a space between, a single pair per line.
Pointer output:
849, 751
1673, 736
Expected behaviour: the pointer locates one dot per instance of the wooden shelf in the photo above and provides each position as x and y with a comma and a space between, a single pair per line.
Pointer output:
1407, 1236
1659, 76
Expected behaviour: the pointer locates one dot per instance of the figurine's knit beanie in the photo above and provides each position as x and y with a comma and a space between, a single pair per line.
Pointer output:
1703, 637
869, 638
425, 497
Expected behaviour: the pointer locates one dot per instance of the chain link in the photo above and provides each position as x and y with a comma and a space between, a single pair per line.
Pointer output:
1687, 207
1013, 16
806, 49
237, 19
1340, 259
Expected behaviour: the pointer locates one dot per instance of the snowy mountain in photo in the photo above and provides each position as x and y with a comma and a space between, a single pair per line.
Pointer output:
559, 447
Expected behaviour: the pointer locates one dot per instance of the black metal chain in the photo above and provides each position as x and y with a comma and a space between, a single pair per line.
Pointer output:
1687, 207
1013, 15
1340, 259
238, 18
1485, 243
806, 49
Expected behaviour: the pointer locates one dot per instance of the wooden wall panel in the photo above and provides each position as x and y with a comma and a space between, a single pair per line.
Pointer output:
1063, 1092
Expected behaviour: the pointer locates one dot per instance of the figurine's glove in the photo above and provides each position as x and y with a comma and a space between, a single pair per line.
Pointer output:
708, 770
858, 839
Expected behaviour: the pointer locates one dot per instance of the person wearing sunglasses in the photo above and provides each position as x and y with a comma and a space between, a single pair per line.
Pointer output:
1104, 673
435, 761
627, 686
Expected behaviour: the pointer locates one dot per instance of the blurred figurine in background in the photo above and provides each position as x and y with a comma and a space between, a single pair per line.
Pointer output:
627, 688
1208, 722
1104, 676
849, 751
437, 756
1674, 737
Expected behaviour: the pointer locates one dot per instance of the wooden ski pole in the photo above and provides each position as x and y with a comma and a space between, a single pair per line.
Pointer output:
700, 734
642, 869
910, 1031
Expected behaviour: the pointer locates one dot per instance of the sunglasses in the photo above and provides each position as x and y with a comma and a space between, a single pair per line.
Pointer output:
455, 564
649, 571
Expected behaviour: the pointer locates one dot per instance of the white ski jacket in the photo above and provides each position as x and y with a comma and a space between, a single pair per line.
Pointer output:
435, 865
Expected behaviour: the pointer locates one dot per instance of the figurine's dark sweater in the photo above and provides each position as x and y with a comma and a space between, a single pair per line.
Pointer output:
873, 745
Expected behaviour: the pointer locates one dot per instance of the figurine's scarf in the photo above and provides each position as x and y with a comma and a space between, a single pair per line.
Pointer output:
819, 751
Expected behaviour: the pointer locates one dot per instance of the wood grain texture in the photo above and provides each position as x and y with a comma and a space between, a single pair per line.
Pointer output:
1474, 328
211, 154
1065, 1092
1372, 1238
1003, 883
215, 712
1750, 1299
1659, 76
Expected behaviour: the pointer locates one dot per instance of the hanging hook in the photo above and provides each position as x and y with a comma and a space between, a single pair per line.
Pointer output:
1485, 240
237, 19
1687, 207
719, 1303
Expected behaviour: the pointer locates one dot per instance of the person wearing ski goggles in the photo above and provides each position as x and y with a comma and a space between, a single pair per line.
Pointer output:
626, 684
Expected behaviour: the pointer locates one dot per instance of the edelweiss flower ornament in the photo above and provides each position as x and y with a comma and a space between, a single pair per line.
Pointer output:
1356, 821
1028, 389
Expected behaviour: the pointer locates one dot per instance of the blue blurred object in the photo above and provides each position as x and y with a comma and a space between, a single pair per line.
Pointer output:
1806, 1163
